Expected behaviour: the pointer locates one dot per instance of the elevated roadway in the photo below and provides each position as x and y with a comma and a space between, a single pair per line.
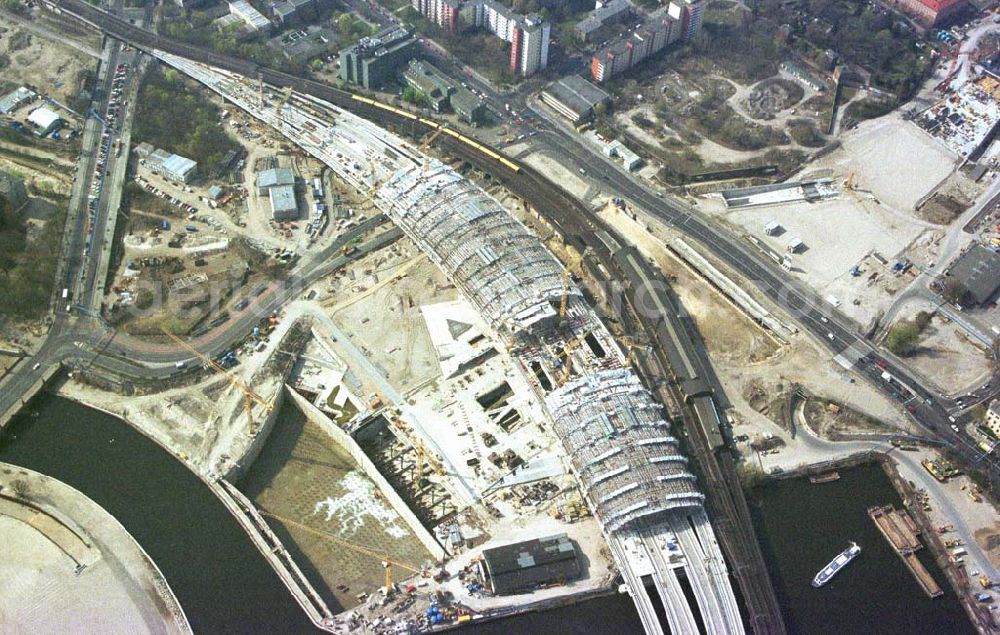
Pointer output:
572, 219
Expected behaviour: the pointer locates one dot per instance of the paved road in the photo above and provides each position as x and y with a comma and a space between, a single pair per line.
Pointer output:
837, 332
822, 320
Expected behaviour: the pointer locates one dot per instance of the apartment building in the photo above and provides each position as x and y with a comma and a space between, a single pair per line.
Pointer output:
680, 20
528, 35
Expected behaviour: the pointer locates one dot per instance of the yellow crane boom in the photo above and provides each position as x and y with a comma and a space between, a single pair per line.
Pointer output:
249, 396
434, 135
387, 562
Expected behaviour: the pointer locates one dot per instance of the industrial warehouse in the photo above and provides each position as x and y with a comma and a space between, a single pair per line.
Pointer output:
621, 448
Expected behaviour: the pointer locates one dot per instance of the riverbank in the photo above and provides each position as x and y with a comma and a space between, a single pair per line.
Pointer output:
217, 574
71, 566
802, 526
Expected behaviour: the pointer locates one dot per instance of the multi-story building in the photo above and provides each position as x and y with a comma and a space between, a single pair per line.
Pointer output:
442, 92
689, 13
928, 12
678, 21
605, 13
252, 18
443, 13
374, 61
993, 418
528, 34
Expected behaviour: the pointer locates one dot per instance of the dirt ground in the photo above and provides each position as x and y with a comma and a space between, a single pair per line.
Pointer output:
946, 356
743, 354
379, 309
730, 335
52, 68
569, 180
880, 150
302, 475
830, 420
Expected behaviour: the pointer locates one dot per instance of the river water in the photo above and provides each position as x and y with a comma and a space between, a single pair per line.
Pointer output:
225, 585
802, 526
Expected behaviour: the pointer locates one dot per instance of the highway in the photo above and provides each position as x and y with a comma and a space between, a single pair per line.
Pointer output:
812, 313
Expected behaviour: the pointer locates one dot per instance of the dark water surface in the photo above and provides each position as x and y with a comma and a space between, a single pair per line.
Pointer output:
224, 585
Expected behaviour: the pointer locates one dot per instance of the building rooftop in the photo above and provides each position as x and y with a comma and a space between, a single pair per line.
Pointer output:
464, 101
245, 11
429, 79
600, 16
282, 198
176, 164
576, 93
529, 564
504, 270
43, 117
274, 177
13, 100
382, 41
978, 269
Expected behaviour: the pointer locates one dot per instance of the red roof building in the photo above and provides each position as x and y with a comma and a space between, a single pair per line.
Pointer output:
928, 12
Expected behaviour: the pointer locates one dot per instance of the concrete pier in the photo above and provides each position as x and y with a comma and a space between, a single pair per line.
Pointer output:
69, 566
271, 547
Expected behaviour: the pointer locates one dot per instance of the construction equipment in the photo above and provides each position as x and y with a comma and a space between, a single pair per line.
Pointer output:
434, 135
249, 396
387, 563
567, 272
849, 181
567, 367
631, 346
286, 96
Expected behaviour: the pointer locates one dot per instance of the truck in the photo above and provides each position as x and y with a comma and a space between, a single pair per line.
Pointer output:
349, 250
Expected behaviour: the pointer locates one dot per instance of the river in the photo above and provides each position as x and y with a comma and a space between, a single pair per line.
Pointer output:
802, 526
224, 585
221, 580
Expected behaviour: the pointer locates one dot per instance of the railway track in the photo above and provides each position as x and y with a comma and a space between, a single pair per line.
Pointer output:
578, 226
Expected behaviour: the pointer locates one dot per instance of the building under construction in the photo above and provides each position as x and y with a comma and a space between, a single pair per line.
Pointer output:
617, 438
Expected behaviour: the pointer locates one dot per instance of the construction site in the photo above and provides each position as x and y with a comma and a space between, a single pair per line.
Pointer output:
525, 414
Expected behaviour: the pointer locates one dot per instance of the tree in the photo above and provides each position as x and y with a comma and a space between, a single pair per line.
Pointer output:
903, 337
954, 291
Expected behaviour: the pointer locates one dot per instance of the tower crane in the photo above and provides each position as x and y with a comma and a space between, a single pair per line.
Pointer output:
568, 361
631, 345
567, 272
434, 135
286, 96
387, 562
249, 396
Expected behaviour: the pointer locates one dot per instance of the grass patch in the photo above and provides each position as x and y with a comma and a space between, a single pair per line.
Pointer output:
904, 335
28, 269
868, 108
805, 133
